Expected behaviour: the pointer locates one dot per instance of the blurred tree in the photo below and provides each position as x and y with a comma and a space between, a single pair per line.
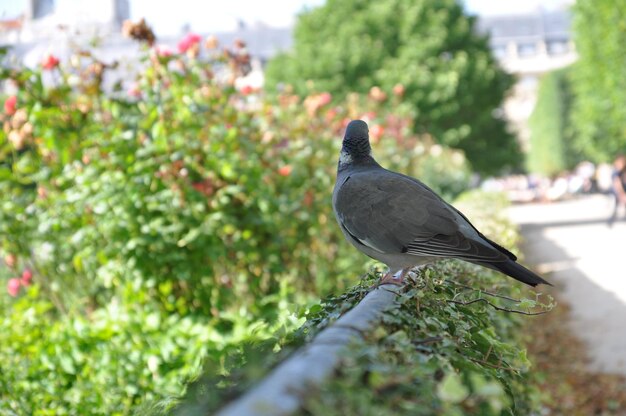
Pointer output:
599, 81
431, 49
551, 144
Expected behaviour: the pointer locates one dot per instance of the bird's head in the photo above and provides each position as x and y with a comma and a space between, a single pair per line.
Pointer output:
356, 143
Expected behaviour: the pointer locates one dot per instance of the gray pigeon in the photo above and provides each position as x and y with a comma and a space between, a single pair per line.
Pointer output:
401, 222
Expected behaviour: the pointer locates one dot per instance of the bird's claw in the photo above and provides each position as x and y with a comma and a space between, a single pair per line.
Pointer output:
391, 279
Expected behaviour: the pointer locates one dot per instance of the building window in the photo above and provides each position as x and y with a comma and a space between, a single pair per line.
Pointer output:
526, 49
499, 51
42, 8
557, 47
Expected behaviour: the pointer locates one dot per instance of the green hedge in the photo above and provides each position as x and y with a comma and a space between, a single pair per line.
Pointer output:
171, 219
439, 351
552, 146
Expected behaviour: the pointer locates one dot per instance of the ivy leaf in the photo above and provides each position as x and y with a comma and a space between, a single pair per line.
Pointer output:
452, 389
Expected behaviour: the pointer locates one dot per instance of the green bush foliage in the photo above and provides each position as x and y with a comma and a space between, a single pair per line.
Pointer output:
450, 345
552, 145
429, 52
107, 362
598, 80
580, 111
168, 219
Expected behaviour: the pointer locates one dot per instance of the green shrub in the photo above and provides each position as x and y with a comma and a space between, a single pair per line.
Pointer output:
111, 360
440, 350
196, 186
598, 103
552, 145
167, 220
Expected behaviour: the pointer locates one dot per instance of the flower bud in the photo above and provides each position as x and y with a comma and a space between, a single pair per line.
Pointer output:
13, 286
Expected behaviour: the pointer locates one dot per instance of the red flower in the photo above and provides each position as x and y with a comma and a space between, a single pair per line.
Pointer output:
205, 187
188, 41
13, 286
10, 105
285, 170
27, 277
50, 62
331, 114
247, 90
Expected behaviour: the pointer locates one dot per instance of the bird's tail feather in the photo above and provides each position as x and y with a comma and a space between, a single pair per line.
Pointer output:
518, 272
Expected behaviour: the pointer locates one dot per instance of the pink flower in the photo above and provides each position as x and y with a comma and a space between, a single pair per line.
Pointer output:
10, 105
211, 42
324, 98
188, 41
13, 286
312, 103
398, 90
368, 116
285, 170
10, 260
50, 62
134, 91
42, 192
163, 51
27, 277
331, 114
376, 131
377, 94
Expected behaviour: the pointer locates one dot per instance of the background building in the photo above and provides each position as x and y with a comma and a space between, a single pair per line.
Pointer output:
527, 45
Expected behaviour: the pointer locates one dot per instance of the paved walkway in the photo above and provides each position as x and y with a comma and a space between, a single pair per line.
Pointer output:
571, 243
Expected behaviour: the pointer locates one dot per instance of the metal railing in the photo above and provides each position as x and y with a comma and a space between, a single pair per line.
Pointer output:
280, 392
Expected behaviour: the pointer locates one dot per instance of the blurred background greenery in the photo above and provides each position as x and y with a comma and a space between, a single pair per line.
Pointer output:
153, 220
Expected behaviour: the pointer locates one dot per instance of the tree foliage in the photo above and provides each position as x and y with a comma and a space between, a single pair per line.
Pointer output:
429, 49
599, 78
552, 149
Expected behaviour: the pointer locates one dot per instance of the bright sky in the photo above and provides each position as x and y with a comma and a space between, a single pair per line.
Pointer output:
167, 17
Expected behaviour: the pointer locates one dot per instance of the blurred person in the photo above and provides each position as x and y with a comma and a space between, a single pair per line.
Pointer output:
586, 171
618, 183
575, 184
604, 182
558, 188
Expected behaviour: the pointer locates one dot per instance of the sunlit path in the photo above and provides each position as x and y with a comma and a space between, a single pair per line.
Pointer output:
585, 259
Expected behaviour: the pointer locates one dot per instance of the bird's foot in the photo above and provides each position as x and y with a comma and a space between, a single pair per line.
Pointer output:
393, 279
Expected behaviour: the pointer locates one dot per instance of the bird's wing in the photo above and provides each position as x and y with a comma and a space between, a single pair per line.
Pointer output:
391, 213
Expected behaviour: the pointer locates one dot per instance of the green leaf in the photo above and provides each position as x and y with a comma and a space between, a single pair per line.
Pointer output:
452, 389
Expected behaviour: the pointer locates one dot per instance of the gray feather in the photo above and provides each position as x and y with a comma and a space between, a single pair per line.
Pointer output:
392, 213
398, 220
